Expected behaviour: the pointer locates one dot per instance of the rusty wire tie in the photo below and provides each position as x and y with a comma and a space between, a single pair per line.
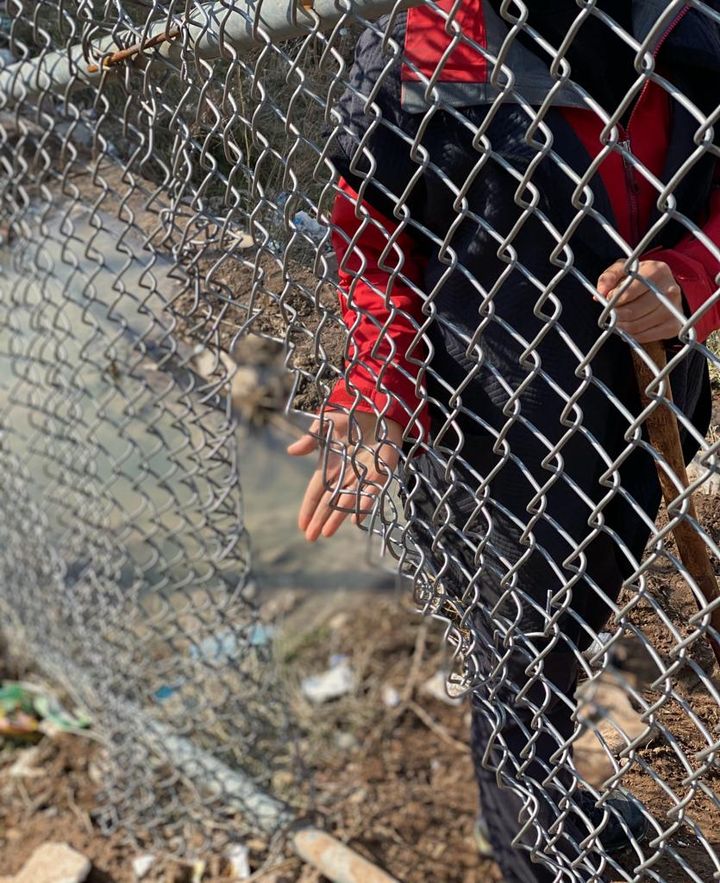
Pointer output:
121, 55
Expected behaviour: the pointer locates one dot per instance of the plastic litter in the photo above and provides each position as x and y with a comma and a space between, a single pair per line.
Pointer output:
142, 864
26, 713
331, 684
228, 644
308, 225
162, 694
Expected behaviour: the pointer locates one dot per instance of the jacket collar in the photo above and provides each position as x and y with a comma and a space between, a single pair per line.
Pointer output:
655, 23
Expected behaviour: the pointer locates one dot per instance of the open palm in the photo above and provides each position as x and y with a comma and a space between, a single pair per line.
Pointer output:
356, 460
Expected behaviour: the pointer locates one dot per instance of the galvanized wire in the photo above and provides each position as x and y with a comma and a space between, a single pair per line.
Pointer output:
159, 206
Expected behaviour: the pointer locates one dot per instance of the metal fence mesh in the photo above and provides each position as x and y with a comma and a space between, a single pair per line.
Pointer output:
169, 177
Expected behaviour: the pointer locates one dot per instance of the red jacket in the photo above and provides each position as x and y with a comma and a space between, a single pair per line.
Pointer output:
380, 271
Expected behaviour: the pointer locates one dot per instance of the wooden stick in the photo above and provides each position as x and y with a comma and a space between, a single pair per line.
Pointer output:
664, 435
335, 860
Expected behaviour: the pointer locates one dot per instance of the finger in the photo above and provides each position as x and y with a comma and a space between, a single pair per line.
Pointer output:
361, 501
360, 517
656, 279
325, 509
309, 442
314, 493
305, 445
658, 326
338, 503
611, 277
631, 291
665, 331
638, 309
640, 326
374, 479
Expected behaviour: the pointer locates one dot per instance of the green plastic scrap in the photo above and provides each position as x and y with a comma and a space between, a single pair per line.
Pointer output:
49, 709
16, 697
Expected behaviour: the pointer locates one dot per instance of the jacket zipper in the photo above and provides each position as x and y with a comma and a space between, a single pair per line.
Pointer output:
630, 179
631, 184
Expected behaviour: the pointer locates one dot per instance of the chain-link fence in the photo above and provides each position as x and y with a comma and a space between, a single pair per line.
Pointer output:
456, 227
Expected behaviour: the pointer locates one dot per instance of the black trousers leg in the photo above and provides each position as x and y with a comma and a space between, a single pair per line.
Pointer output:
521, 796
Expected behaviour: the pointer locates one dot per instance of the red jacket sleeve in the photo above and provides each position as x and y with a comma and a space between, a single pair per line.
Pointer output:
379, 275
696, 268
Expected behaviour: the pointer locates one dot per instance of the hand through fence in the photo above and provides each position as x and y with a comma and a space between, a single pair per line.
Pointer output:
358, 455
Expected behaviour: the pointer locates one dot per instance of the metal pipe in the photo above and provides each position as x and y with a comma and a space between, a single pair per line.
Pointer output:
217, 30
212, 31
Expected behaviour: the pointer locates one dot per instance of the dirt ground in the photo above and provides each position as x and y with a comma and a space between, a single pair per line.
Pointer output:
396, 783
685, 709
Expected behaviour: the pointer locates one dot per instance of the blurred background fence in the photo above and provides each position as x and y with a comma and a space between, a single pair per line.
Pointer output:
168, 311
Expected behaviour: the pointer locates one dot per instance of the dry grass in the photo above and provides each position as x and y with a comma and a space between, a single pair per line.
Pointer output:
713, 344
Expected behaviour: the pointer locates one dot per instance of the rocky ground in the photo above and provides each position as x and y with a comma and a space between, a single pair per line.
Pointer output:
389, 757
391, 766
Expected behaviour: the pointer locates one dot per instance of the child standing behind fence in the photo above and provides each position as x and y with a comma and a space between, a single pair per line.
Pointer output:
468, 214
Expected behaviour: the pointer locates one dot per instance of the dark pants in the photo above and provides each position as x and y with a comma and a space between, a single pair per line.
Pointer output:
530, 549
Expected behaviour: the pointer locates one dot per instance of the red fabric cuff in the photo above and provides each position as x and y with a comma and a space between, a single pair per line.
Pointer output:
379, 274
407, 410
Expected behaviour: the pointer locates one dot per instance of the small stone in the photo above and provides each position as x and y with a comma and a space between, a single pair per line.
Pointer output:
244, 240
141, 865
345, 741
390, 696
338, 621
709, 475
95, 773
24, 767
53, 863
282, 779
238, 857
438, 687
